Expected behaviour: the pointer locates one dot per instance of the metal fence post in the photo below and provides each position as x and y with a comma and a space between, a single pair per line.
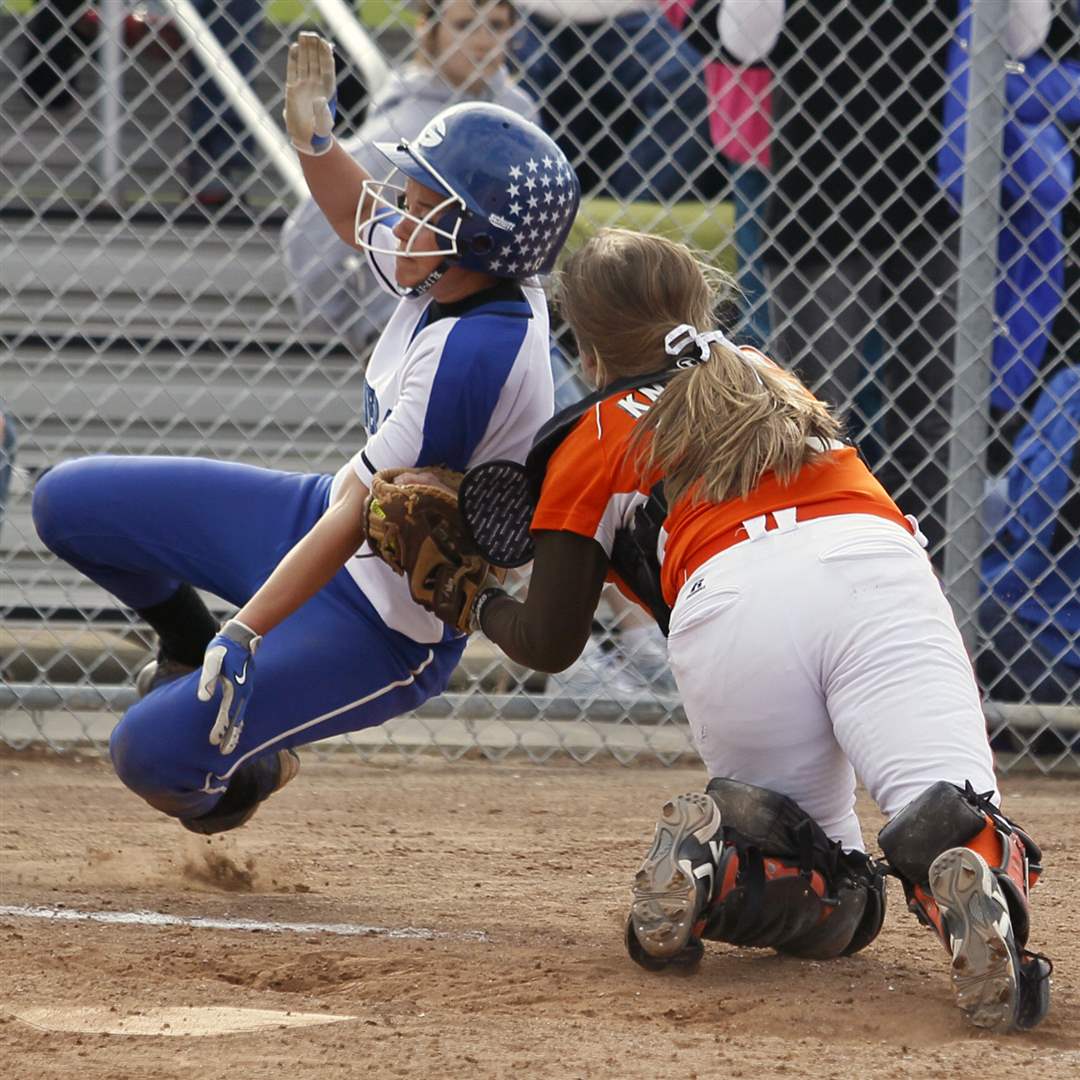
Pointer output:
112, 93
975, 327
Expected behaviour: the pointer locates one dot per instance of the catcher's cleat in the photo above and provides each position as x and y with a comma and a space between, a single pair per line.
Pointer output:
158, 672
253, 783
978, 931
675, 884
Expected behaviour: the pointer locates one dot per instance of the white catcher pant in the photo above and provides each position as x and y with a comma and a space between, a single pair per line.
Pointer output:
823, 650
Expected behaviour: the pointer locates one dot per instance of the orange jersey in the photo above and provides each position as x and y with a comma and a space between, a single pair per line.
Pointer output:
592, 488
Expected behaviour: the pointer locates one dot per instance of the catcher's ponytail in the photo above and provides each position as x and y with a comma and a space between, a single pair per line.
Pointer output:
719, 426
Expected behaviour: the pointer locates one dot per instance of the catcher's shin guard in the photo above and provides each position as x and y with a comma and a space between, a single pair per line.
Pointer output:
251, 784
967, 871
769, 878
785, 885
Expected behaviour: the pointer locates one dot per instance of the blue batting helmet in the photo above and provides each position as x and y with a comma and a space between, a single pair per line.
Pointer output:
515, 193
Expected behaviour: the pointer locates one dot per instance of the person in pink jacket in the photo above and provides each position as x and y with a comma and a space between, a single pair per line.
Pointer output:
740, 126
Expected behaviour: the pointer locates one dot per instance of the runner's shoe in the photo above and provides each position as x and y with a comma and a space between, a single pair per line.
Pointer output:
251, 784
158, 672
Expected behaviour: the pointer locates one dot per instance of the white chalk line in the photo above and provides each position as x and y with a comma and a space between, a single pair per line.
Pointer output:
202, 922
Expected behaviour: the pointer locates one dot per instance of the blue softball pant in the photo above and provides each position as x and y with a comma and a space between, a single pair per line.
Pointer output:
142, 526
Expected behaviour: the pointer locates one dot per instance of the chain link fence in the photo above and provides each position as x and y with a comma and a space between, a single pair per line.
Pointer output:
894, 187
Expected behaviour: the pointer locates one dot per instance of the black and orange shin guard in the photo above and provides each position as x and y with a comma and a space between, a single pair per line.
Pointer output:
783, 884
946, 816
927, 840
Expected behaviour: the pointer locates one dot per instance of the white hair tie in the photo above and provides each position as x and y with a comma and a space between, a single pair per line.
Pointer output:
676, 341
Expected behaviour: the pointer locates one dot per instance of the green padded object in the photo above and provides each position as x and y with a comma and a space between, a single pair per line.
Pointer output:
705, 227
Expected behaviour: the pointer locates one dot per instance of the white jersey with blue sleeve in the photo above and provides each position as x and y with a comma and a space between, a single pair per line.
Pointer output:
449, 384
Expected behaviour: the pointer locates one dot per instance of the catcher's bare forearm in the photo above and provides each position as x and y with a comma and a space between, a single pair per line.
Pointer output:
311, 563
549, 630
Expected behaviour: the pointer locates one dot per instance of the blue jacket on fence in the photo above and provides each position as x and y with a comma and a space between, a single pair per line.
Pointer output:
1033, 569
1042, 97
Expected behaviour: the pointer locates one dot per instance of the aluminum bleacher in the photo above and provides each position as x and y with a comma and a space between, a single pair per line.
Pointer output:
112, 354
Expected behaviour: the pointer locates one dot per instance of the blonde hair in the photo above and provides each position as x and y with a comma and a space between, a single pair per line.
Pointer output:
719, 426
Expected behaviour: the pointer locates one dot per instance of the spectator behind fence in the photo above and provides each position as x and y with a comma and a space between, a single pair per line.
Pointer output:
460, 56
620, 93
221, 156
740, 126
860, 231
54, 51
61, 32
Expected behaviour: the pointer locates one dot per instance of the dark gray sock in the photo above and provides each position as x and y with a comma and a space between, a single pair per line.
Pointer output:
183, 625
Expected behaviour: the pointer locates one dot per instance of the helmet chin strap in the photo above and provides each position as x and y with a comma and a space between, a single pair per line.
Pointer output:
432, 279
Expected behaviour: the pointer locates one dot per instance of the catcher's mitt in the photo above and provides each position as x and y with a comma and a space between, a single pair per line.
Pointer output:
412, 522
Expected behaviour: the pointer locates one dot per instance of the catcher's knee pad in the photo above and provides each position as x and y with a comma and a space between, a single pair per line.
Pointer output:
946, 816
783, 884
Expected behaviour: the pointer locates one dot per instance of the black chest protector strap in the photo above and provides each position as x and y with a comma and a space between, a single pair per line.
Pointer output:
635, 555
498, 500
550, 437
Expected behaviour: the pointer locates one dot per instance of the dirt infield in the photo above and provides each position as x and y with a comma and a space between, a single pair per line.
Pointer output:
519, 876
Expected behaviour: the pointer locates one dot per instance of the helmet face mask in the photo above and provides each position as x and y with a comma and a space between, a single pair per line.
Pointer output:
388, 205
510, 194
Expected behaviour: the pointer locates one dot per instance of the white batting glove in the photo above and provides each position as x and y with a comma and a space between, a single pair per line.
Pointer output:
229, 665
310, 94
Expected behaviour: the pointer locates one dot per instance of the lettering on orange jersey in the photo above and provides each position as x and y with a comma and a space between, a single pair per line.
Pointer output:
639, 408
